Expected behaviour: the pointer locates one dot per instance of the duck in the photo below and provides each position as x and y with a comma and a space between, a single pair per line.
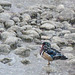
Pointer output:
50, 54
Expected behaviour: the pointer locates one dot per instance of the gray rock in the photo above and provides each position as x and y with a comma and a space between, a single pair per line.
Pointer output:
31, 33
5, 60
9, 23
65, 15
25, 61
59, 40
45, 37
5, 3
22, 51
4, 49
70, 36
16, 19
55, 46
60, 8
14, 42
47, 26
69, 55
67, 49
7, 34
1, 9
4, 16
26, 17
72, 30
1, 25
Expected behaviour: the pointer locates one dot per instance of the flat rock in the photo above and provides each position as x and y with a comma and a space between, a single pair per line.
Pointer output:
47, 26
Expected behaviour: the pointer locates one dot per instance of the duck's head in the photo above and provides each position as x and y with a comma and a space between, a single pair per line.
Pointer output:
45, 46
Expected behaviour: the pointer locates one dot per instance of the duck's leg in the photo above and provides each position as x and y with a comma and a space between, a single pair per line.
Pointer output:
48, 63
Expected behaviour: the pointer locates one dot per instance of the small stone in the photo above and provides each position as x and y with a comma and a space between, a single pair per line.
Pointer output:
23, 52
47, 26
1, 9
25, 62
5, 60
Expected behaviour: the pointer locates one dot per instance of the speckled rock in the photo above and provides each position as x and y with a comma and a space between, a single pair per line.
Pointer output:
47, 26
4, 49
22, 51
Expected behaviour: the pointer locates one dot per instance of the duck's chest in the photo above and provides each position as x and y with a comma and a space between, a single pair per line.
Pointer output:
47, 56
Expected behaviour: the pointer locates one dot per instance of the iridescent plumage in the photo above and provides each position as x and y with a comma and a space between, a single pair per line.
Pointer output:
50, 54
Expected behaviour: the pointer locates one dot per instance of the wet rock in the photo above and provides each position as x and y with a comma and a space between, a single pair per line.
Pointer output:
7, 34
67, 49
22, 51
5, 16
14, 42
47, 26
9, 23
5, 60
25, 61
4, 49
26, 17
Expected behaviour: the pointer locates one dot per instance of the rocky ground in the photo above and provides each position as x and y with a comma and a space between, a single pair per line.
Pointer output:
22, 31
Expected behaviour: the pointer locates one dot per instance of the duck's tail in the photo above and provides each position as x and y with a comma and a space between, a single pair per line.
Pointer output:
63, 57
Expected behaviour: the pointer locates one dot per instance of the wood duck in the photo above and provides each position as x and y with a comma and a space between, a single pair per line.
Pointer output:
50, 54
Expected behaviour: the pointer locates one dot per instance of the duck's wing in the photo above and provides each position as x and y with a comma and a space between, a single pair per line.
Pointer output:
55, 50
